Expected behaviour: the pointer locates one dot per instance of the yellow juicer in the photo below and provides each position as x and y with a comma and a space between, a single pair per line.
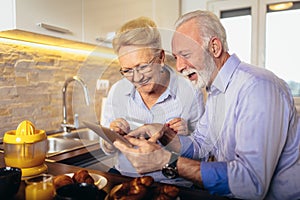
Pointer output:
26, 148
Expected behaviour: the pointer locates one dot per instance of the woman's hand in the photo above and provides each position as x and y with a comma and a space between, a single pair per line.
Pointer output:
120, 126
107, 148
179, 125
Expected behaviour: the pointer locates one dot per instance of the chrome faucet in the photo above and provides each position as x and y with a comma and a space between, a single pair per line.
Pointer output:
66, 127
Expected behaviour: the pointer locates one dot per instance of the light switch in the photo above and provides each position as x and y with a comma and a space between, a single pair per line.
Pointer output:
103, 84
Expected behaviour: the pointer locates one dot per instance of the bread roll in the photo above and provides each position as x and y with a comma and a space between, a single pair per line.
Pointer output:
140, 188
166, 192
170, 190
83, 176
62, 180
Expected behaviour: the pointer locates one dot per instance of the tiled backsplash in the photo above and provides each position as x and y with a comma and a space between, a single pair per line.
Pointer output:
31, 81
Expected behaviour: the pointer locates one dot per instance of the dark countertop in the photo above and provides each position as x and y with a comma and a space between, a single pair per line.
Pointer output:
113, 179
74, 153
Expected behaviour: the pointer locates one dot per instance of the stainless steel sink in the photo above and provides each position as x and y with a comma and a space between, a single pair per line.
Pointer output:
63, 142
82, 134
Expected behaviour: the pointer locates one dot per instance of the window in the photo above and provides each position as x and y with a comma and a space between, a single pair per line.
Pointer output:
264, 37
237, 24
282, 44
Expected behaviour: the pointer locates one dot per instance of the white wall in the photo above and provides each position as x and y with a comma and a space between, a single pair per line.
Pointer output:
190, 5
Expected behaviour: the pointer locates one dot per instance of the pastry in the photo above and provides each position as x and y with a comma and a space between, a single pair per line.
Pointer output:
83, 176
143, 188
62, 180
166, 192
135, 189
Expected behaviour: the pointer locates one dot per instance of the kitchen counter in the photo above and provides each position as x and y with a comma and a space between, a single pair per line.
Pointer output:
113, 179
63, 157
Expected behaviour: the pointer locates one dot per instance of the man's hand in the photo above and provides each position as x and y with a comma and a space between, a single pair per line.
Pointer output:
179, 125
148, 130
166, 136
146, 155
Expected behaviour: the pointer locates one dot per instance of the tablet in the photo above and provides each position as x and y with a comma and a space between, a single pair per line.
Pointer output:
105, 133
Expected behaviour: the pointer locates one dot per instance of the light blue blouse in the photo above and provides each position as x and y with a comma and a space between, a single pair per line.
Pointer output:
180, 99
251, 126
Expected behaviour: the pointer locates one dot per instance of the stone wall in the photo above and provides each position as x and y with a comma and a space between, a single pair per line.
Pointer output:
31, 81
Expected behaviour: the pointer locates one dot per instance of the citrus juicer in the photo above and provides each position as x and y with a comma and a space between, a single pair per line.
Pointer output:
26, 148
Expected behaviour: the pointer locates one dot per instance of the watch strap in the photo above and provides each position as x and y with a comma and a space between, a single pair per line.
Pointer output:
173, 160
170, 169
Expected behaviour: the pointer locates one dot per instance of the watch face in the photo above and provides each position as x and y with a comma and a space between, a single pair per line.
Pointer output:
169, 172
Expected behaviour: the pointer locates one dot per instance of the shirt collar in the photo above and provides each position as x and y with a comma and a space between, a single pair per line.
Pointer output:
173, 84
170, 91
223, 77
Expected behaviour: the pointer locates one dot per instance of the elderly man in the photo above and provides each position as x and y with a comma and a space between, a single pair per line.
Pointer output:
250, 125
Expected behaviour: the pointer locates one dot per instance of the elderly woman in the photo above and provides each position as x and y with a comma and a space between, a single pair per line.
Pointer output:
150, 91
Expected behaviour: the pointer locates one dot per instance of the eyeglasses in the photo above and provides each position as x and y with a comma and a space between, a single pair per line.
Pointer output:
142, 69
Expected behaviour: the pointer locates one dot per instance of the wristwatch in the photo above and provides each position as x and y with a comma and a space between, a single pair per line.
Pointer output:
170, 169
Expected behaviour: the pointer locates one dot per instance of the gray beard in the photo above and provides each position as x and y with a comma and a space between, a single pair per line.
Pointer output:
205, 75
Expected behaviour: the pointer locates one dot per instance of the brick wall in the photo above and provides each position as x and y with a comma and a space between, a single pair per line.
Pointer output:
31, 81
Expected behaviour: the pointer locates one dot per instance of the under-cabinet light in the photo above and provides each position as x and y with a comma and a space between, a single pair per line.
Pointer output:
281, 6
58, 48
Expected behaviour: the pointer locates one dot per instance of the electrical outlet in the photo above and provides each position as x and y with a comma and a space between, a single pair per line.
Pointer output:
102, 84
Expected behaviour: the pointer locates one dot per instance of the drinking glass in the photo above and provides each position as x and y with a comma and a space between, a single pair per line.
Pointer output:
40, 187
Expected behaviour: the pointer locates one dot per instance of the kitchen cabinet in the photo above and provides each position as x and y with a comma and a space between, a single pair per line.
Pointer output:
104, 17
60, 18
83, 20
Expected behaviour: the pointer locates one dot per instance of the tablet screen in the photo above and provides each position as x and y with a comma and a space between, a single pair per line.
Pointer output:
105, 133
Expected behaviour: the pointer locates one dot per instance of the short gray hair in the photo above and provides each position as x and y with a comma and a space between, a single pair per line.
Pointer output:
209, 25
141, 32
